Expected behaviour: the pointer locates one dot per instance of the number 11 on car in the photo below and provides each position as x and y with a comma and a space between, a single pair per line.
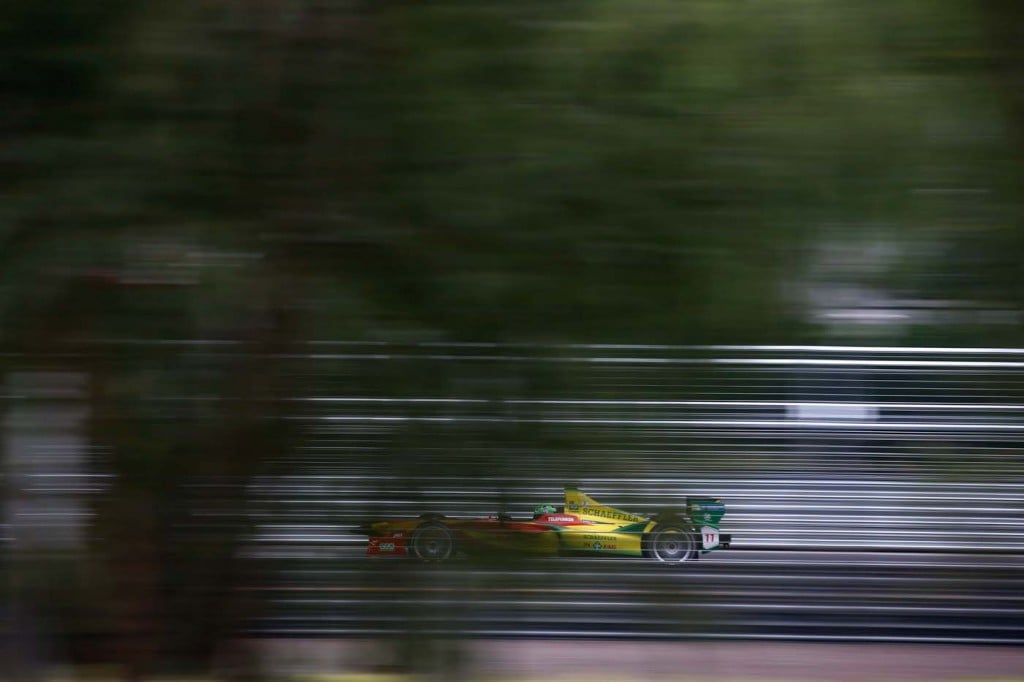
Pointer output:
710, 536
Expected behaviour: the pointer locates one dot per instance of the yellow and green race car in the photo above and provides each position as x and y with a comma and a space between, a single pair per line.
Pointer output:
579, 526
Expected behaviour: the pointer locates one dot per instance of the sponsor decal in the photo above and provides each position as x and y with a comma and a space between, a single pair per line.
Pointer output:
386, 547
560, 519
597, 545
614, 515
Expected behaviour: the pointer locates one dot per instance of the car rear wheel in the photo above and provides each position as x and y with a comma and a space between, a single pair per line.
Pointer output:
672, 543
432, 542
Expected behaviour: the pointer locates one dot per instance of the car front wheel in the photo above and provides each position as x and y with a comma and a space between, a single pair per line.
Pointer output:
432, 542
672, 543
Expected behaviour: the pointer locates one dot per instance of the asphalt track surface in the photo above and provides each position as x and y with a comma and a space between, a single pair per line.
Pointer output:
809, 596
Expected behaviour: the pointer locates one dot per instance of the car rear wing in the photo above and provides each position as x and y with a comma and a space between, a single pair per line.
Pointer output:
706, 511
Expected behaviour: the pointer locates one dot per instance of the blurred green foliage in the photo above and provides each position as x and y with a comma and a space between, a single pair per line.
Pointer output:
502, 171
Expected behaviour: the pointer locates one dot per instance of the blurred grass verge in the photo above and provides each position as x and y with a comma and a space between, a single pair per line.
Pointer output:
107, 674
392, 677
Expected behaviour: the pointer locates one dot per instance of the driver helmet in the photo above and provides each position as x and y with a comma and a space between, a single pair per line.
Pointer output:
545, 509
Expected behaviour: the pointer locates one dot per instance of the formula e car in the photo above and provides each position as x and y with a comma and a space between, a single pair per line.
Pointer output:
580, 526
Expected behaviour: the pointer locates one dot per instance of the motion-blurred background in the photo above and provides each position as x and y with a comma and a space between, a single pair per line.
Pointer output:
269, 268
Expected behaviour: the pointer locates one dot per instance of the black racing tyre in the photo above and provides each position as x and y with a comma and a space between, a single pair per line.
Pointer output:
432, 542
672, 543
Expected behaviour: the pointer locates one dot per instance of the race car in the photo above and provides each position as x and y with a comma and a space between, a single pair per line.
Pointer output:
579, 526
